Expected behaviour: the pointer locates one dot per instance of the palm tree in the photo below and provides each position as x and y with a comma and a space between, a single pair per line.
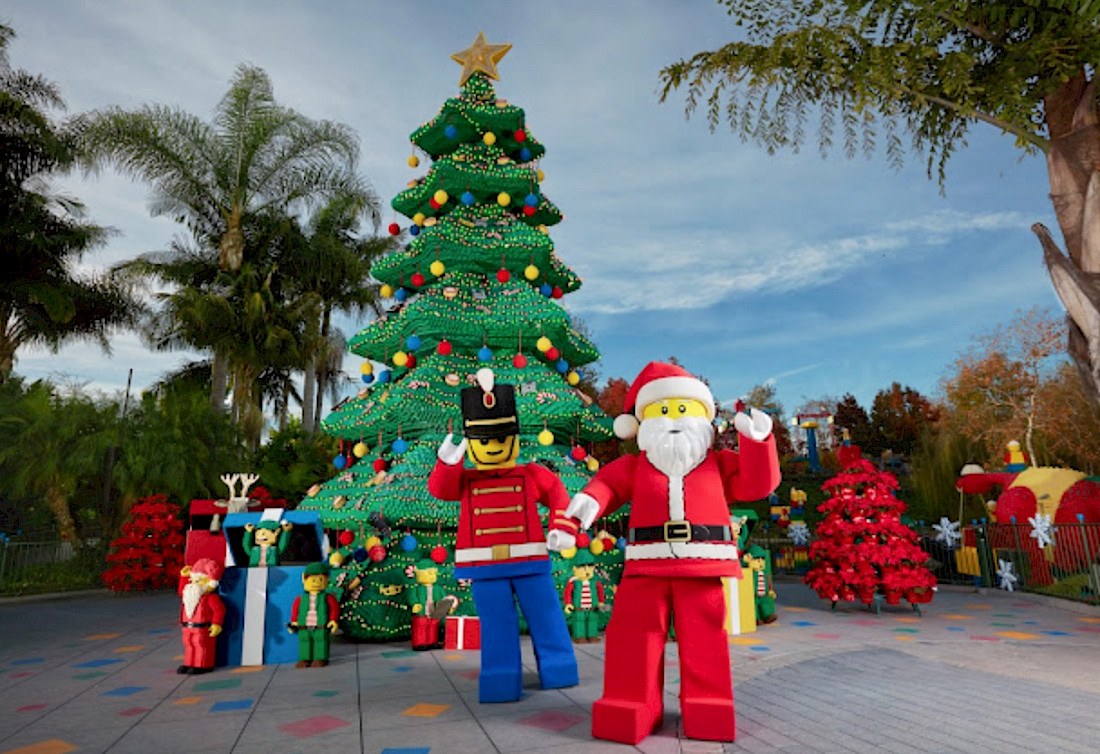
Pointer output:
42, 234
49, 444
335, 263
255, 156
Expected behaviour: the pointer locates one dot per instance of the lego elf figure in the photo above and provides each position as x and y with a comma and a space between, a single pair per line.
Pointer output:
680, 545
265, 543
500, 544
313, 617
429, 606
584, 599
202, 613
760, 561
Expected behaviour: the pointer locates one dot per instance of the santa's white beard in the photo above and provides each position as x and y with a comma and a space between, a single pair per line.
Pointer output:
676, 446
192, 593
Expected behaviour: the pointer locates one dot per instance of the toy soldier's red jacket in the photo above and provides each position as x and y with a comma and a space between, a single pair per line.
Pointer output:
680, 526
499, 520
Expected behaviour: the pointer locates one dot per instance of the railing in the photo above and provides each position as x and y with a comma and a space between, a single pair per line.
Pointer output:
28, 567
1067, 566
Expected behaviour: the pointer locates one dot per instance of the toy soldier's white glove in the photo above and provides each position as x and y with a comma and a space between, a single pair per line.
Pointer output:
558, 540
450, 453
584, 508
757, 428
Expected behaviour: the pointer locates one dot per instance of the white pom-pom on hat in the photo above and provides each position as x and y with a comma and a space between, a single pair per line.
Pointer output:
626, 426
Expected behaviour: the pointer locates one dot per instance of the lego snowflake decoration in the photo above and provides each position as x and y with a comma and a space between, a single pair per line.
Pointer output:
1041, 529
798, 532
947, 531
1006, 579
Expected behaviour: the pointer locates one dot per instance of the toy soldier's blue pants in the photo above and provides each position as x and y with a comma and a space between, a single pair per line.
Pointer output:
501, 678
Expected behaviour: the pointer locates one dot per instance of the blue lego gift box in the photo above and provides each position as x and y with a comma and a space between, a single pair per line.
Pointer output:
258, 600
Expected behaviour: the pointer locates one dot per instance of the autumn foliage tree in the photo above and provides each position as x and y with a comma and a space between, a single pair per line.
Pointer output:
862, 548
1013, 384
149, 554
899, 416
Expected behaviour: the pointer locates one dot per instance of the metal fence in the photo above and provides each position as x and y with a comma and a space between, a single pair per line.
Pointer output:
30, 566
1066, 564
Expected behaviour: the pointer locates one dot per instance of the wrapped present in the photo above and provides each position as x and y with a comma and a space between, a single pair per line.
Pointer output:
462, 632
740, 603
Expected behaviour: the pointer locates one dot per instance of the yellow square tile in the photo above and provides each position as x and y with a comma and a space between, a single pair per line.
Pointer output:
1090, 620
247, 669
188, 700
906, 619
1016, 635
426, 710
789, 609
100, 637
957, 616
453, 657
745, 640
906, 638
135, 648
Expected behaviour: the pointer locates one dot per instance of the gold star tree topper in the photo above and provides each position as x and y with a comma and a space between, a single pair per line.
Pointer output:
480, 56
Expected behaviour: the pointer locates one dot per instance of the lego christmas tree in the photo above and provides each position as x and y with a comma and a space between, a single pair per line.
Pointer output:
149, 553
862, 546
477, 285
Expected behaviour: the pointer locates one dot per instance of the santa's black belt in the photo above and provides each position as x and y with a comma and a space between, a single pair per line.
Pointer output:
680, 531
195, 625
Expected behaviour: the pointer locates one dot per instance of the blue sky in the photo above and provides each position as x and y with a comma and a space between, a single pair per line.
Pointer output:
823, 276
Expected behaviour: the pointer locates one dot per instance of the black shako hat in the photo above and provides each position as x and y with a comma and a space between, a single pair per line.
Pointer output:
489, 409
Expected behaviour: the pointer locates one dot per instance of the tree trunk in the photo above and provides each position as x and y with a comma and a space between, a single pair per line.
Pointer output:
309, 390
219, 380
322, 367
1072, 164
59, 507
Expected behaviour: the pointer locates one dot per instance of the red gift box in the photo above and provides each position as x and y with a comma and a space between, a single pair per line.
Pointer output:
462, 633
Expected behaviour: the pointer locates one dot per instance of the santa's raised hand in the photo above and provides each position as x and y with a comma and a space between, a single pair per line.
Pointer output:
757, 425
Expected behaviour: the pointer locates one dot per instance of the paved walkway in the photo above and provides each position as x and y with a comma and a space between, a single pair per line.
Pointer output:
978, 672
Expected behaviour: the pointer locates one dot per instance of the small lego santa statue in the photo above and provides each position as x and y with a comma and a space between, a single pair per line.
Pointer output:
202, 613
681, 544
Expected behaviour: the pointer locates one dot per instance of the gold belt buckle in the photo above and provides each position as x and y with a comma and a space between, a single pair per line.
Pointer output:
677, 531
502, 552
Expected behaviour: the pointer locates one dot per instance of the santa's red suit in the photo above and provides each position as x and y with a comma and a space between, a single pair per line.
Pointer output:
680, 546
199, 647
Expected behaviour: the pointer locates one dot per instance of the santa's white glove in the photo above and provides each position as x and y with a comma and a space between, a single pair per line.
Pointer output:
450, 453
758, 427
584, 508
558, 540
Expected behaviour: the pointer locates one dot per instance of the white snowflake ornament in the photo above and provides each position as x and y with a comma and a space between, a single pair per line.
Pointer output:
1006, 579
798, 532
1041, 529
947, 531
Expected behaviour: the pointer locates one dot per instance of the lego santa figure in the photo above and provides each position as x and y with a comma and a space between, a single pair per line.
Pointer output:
500, 544
680, 545
202, 613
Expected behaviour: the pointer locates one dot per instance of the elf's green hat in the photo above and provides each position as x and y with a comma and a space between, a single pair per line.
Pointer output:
268, 524
426, 564
317, 569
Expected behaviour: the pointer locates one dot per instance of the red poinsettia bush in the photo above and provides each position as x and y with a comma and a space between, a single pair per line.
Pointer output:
862, 546
149, 554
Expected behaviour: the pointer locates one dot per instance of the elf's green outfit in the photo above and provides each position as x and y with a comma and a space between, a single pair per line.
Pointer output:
313, 616
260, 553
762, 588
583, 598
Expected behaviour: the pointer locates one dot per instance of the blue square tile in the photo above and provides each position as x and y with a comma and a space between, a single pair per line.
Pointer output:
803, 623
28, 661
125, 690
232, 704
96, 663
1056, 633
402, 669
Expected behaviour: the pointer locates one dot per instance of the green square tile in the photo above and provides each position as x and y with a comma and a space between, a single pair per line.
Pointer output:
228, 683
326, 693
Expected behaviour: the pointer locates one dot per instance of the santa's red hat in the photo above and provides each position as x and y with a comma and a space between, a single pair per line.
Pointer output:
655, 382
208, 567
